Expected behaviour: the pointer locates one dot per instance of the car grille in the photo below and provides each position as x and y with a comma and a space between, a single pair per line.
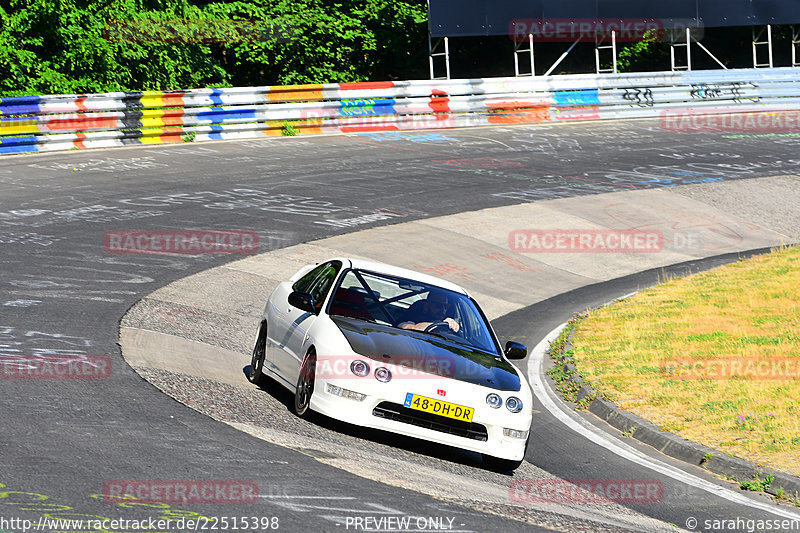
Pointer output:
399, 413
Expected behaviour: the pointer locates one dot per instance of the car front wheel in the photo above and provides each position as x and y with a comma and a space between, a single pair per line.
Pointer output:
305, 384
256, 374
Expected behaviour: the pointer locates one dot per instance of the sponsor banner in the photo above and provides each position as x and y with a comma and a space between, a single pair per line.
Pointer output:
181, 492
585, 241
180, 242
55, 367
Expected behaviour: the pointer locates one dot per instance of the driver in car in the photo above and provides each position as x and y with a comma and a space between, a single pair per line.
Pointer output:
422, 314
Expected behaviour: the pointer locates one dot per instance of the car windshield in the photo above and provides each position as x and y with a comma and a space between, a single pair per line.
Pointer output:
408, 304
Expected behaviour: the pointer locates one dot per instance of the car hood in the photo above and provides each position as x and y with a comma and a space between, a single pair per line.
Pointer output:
425, 354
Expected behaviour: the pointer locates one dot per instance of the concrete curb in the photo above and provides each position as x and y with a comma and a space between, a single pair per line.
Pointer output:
674, 446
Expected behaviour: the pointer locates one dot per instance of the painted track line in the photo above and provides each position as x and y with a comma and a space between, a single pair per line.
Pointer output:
548, 399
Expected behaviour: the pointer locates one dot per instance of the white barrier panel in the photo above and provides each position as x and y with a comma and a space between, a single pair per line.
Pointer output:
59, 122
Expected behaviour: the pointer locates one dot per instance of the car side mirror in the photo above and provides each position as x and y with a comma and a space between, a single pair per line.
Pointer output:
303, 301
515, 350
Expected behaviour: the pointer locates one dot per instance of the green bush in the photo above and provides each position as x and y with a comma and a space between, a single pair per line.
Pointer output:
81, 46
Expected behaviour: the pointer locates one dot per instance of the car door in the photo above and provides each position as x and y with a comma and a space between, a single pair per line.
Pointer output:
318, 283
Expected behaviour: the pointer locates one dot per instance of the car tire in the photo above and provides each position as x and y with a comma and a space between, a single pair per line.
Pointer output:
259, 357
305, 384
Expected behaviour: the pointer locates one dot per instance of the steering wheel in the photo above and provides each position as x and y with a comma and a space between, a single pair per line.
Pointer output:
438, 324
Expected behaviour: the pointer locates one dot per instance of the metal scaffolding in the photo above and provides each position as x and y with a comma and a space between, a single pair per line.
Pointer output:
562, 58
681, 42
433, 54
599, 46
760, 44
675, 47
519, 50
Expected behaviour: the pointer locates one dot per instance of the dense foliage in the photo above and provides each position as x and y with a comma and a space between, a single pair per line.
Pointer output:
81, 46
78, 46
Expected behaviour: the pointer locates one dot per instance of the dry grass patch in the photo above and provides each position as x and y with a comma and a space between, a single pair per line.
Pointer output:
713, 357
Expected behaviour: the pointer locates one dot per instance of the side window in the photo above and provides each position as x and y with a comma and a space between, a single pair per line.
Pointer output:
318, 281
323, 282
304, 284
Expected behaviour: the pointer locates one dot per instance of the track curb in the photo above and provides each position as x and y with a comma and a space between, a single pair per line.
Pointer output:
691, 452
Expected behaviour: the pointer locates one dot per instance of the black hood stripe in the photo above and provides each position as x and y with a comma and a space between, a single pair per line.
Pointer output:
420, 352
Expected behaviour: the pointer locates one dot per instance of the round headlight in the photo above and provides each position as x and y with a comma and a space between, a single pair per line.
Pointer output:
359, 368
494, 401
383, 374
514, 404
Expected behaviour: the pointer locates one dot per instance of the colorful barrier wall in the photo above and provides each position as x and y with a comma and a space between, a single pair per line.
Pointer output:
64, 122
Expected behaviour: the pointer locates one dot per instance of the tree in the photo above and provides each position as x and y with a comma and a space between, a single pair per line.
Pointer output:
79, 46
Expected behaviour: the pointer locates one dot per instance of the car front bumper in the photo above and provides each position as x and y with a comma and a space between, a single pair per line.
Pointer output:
382, 408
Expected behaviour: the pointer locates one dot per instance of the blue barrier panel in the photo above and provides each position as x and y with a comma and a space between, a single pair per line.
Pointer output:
576, 98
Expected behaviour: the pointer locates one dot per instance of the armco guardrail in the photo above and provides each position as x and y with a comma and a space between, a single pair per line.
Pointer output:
63, 122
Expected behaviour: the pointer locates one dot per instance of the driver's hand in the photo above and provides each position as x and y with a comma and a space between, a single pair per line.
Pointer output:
453, 324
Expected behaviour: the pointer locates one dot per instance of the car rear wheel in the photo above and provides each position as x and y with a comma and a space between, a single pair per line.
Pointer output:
305, 384
259, 356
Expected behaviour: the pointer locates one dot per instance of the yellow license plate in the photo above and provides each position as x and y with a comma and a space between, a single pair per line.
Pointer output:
438, 407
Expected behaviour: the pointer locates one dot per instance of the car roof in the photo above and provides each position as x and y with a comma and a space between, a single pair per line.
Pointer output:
383, 268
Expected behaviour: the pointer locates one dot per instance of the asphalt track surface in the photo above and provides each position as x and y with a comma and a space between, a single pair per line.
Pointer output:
61, 441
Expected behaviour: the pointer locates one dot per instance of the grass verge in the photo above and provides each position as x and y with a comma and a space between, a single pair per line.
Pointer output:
713, 357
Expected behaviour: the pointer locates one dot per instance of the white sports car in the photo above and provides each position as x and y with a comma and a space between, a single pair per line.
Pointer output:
388, 348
